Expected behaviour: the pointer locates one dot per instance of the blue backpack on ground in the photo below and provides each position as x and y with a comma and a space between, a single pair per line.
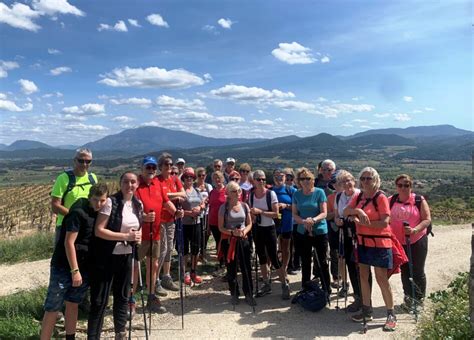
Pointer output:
311, 298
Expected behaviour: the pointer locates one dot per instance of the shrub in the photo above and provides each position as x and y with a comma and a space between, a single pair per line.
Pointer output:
33, 247
448, 316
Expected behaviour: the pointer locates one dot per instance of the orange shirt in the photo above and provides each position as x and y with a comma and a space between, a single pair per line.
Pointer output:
171, 184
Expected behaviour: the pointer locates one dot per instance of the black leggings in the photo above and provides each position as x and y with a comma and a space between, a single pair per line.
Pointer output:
266, 244
116, 277
192, 238
216, 234
419, 250
242, 257
320, 242
333, 249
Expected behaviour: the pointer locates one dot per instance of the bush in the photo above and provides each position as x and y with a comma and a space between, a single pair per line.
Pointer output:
19, 314
33, 247
448, 317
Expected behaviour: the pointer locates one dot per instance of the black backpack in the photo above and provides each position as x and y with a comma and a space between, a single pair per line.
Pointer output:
418, 200
311, 298
268, 198
72, 183
368, 200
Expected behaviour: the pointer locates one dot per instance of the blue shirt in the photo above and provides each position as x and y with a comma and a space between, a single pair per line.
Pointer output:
285, 195
308, 206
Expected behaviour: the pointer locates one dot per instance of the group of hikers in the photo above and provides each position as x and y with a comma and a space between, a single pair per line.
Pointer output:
301, 222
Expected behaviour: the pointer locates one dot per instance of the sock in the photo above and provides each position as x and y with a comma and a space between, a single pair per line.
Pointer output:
71, 336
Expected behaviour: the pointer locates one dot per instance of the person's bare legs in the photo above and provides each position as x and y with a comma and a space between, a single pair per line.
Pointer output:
47, 325
382, 280
285, 252
364, 271
70, 317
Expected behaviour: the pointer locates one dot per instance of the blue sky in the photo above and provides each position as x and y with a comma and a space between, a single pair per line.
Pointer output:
75, 71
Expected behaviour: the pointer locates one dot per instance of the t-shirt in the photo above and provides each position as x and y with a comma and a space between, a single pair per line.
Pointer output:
129, 221
171, 184
152, 197
234, 220
216, 199
309, 206
204, 192
193, 199
81, 190
383, 208
408, 212
261, 203
81, 220
285, 195
343, 202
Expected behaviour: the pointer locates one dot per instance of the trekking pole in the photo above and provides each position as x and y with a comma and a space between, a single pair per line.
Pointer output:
179, 228
247, 271
410, 266
356, 260
256, 260
131, 293
140, 287
150, 257
323, 279
338, 269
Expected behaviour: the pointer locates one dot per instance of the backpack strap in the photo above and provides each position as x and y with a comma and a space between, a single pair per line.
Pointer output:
91, 178
418, 201
70, 184
393, 200
338, 198
268, 196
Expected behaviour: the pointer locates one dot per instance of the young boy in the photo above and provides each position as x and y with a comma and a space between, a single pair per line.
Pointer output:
68, 280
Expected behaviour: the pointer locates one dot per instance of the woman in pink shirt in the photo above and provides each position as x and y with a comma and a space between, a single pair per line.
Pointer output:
217, 197
404, 208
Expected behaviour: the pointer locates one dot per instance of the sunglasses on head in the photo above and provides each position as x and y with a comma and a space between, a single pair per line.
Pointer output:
150, 167
305, 178
84, 161
362, 179
400, 185
260, 179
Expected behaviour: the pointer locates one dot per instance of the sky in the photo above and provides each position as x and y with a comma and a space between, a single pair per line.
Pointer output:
72, 72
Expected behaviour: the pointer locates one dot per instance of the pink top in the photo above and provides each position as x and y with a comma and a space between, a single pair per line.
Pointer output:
408, 212
216, 199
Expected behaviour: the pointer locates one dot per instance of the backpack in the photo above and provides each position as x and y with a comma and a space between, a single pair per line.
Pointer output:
72, 183
368, 200
311, 298
418, 200
268, 198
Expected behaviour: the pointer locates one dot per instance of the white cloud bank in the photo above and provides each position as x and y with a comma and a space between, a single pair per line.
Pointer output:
59, 70
249, 94
180, 104
293, 53
225, 23
118, 27
6, 66
27, 86
8, 105
144, 102
90, 109
157, 20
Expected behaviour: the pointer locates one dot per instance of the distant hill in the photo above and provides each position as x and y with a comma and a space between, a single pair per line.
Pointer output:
380, 140
418, 131
27, 145
3, 146
150, 138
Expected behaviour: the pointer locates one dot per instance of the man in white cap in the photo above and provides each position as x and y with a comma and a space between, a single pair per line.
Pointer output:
229, 167
180, 162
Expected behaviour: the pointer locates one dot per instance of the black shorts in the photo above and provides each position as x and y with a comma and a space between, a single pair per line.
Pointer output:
286, 235
192, 238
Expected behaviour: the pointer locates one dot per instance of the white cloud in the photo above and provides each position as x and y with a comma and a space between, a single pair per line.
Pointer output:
59, 70
151, 77
293, 53
417, 111
210, 29
6, 66
360, 120
265, 122
347, 125
133, 22
73, 118
157, 20
122, 119
295, 105
408, 99
90, 109
52, 7
19, 16
321, 99
250, 94
144, 102
49, 95
118, 27
176, 103
27, 86
325, 60
401, 117
230, 119
429, 109
381, 115
225, 23
84, 127
8, 105
53, 51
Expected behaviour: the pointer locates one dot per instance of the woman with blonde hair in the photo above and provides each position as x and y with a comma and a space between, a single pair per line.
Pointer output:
371, 213
235, 224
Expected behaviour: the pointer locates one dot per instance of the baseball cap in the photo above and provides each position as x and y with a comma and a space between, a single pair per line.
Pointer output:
230, 160
189, 172
149, 160
180, 160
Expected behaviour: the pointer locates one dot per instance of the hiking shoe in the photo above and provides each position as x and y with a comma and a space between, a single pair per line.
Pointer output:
343, 292
250, 300
354, 306
390, 323
335, 284
365, 312
264, 290
196, 278
167, 283
285, 291
154, 305
234, 300
292, 272
187, 279
160, 291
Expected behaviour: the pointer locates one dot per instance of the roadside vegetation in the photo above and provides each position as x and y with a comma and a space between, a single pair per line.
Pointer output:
33, 247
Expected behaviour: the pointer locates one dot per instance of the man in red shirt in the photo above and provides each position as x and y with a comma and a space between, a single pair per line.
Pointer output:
174, 188
155, 200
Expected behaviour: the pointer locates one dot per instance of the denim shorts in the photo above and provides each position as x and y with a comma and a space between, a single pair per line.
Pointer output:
376, 257
60, 289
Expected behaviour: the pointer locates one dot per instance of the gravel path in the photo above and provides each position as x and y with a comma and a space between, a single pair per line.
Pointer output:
208, 313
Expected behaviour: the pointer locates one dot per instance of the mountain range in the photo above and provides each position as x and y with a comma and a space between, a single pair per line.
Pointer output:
440, 142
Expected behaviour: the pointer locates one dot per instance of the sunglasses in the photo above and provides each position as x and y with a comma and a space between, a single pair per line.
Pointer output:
289, 177
150, 167
260, 179
173, 173
188, 177
244, 171
403, 185
234, 191
218, 166
168, 163
278, 177
305, 178
202, 175
328, 170
362, 179
83, 161
234, 179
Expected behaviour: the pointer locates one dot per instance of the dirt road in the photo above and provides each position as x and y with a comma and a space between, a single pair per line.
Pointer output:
208, 313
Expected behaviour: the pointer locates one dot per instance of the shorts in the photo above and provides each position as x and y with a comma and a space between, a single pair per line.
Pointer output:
192, 238
143, 249
60, 289
376, 257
